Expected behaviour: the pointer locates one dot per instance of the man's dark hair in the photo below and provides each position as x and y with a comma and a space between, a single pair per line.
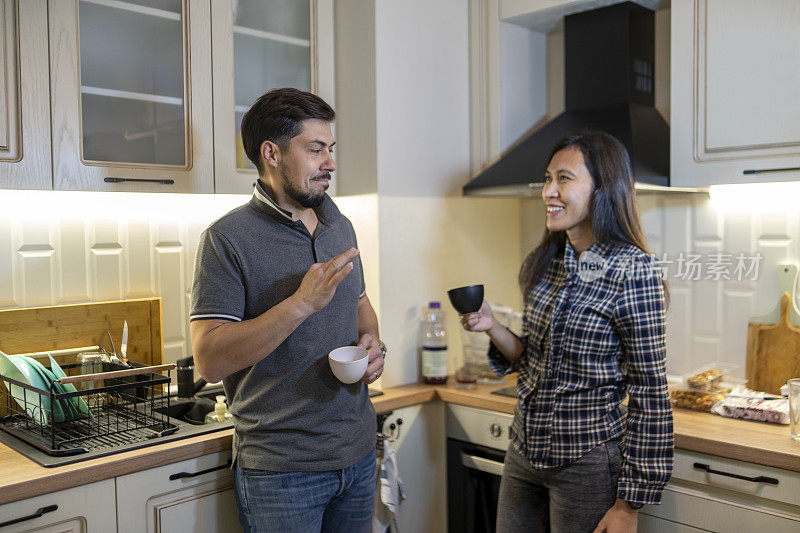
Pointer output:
276, 117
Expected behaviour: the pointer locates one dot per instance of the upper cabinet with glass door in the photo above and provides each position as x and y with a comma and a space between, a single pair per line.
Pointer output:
24, 115
260, 45
131, 95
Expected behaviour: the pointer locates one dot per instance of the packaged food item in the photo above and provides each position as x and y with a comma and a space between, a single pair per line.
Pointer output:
708, 380
712, 377
694, 399
763, 410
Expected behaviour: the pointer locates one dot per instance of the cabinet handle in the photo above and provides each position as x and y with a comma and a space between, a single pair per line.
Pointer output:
181, 475
757, 479
39, 512
142, 180
765, 170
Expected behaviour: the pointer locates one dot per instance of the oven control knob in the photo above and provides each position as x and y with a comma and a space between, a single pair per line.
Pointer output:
496, 430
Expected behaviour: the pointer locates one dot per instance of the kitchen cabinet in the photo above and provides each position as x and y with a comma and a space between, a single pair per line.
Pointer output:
86, 508
148, 95
421, 463
24, 115
193, 495
735, 115
259, 45
697, 500
131, 95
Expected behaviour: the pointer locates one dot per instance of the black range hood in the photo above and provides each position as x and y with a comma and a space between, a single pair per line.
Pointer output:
609, 63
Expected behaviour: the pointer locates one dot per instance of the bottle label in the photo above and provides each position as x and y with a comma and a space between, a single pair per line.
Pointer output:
434, 362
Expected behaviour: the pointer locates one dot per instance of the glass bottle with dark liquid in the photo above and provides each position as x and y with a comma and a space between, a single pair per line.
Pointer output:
434, 346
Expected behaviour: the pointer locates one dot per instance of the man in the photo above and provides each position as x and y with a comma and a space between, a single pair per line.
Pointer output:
278, 285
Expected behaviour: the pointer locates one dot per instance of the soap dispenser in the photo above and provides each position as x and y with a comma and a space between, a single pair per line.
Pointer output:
220, 412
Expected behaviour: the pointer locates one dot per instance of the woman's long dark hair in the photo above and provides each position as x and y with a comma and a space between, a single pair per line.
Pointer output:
614, 213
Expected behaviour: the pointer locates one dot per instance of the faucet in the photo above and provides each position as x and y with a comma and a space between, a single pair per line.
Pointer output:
187, 386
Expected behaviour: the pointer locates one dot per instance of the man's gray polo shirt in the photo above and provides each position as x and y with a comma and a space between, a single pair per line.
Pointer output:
290, 412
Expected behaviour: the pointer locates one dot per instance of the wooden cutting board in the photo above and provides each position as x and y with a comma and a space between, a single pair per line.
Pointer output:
787, 282
40, 329
773, 351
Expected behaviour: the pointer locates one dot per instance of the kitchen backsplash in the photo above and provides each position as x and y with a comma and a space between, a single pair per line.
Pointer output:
60, 248
63, 248
707, 319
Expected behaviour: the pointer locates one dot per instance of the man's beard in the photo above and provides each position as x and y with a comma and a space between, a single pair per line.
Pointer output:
308, 198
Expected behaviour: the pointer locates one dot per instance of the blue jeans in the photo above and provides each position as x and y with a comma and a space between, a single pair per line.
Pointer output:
333, 500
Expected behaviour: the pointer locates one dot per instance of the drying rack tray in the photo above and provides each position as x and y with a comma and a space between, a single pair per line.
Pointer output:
104, 406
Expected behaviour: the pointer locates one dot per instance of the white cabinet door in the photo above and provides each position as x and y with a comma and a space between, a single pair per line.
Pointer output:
653, 524
89, 508
24, 115
735, 80
712, 510
748, 479
258, 45
193, 495
131, 95
421, 461
715, 494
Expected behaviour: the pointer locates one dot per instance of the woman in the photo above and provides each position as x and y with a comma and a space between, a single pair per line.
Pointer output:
594, 331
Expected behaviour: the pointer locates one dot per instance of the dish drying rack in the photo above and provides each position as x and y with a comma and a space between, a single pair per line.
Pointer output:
124, 404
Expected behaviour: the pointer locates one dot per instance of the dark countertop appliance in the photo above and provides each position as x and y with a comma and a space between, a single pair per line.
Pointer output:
609, 80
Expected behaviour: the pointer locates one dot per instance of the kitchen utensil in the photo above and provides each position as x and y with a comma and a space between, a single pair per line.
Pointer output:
348, 363
773, 351
114, 357
466, 299
124, 347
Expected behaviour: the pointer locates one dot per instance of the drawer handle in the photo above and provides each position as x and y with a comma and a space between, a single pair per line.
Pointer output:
39, 512
142, 180
181, 475
757, 479
765, 170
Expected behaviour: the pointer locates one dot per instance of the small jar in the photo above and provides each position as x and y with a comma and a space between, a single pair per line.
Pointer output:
91, 363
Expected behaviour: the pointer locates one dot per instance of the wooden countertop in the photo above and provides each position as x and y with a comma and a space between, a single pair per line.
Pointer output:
754, 442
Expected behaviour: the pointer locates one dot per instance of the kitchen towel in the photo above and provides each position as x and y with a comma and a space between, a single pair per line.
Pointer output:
390, 494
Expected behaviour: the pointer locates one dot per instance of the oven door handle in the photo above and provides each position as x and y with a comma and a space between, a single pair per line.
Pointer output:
482, 464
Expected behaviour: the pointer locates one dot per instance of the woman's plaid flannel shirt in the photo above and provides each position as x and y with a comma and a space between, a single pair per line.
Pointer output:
593, 331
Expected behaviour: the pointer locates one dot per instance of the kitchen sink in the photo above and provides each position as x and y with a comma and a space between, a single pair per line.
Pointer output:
192, 410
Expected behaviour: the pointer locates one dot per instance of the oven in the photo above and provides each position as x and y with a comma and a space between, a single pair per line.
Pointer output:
477, 440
